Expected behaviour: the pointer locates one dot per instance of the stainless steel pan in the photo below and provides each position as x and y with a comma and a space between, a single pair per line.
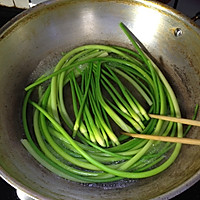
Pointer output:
33, 41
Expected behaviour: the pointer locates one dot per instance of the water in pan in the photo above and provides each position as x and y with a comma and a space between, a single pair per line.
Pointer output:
45, 66
114, 185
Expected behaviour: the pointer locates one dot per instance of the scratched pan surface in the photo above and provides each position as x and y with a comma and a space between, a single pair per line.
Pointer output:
33, 41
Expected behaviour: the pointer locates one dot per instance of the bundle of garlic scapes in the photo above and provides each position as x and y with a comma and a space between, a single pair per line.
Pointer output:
111, 89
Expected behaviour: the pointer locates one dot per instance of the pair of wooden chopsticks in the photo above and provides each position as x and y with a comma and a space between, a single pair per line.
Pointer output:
167, 138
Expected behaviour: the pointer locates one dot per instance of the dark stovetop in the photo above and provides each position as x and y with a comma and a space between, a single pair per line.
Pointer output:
9, 193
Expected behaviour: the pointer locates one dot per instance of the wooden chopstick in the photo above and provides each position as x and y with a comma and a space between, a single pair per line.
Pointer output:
165, 138
176, 119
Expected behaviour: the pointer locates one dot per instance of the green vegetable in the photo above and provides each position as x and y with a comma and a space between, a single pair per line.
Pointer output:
109, 89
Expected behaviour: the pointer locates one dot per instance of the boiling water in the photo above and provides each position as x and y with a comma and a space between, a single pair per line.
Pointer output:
113, 185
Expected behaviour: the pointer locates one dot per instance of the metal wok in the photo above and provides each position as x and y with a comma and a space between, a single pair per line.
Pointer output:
33, 41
